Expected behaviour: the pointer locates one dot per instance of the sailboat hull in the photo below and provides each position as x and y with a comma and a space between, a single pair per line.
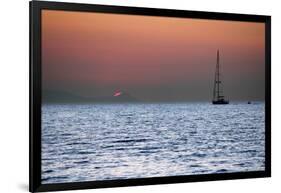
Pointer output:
220, 102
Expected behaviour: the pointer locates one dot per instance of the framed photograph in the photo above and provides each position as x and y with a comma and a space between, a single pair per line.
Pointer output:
125, 96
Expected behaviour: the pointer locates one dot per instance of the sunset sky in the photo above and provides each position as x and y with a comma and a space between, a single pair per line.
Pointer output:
151, 58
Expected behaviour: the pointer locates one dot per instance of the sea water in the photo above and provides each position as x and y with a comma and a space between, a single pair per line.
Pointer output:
92, 142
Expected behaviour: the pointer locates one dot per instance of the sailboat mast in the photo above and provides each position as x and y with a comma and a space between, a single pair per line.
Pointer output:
218, 97
215, 90
218, 74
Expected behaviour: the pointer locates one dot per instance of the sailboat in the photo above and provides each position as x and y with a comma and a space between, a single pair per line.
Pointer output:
218, 97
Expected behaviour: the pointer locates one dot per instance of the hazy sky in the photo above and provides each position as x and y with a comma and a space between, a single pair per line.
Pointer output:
151, 58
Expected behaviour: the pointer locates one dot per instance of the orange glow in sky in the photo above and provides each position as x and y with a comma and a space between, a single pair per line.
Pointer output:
153, 58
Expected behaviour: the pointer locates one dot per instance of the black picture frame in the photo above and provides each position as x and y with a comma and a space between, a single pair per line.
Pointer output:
35, 184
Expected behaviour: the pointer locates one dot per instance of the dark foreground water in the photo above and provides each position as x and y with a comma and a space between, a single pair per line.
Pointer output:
120, 141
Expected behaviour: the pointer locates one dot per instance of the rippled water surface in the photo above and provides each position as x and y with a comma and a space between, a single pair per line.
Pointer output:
119, 141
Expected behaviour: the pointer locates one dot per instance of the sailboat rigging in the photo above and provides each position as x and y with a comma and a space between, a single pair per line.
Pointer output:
218, 97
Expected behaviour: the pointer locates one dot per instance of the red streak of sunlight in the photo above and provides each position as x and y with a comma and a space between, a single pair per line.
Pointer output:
117, 94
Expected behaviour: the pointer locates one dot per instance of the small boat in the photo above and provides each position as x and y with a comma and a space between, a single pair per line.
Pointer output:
218, 97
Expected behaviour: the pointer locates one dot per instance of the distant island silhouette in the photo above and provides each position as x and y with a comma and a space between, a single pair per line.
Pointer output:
63, 97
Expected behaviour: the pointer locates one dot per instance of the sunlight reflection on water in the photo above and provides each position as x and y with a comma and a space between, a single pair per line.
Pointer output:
119, 141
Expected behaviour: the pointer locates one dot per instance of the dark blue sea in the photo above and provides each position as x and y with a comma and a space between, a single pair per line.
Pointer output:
92, 142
